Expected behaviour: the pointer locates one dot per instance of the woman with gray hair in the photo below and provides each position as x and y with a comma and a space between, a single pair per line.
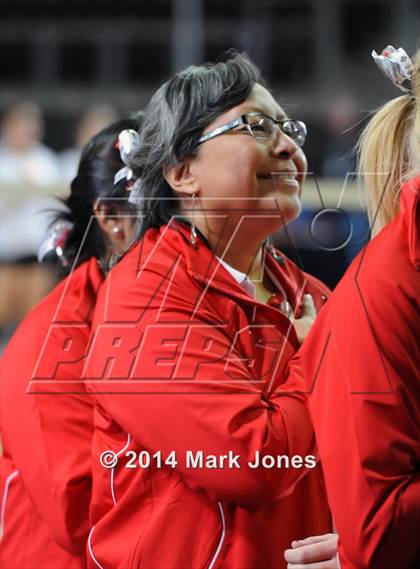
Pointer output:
204, 454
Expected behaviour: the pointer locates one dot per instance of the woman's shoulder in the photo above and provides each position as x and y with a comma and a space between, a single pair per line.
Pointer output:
66, 305
59, 303
153, 275
156, 257
382, 278
391, 258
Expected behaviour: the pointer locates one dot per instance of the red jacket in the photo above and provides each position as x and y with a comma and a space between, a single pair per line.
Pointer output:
362, 361
45, 467
184, 361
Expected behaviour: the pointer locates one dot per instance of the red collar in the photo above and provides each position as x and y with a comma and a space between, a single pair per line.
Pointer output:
203, 266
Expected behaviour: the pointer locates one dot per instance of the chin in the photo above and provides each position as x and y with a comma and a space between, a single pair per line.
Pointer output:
284, 216
289, 209
296, 210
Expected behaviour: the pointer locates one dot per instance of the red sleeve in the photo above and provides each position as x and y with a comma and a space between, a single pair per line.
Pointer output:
361, 360
49, 436
195, 392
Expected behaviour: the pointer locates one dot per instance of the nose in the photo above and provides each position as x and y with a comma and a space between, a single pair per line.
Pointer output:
283, 146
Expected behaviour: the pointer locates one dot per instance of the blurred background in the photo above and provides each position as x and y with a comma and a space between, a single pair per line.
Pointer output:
70, 68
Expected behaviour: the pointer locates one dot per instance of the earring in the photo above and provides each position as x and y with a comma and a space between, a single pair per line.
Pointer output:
193, 232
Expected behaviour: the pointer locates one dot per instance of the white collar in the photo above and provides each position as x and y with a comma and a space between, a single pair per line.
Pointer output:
240, 278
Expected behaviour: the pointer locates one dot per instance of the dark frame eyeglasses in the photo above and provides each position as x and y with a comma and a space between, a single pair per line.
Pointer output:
262, 127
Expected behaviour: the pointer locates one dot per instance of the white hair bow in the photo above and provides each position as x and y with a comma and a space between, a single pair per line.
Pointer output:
396, 65
55, 241
128, 144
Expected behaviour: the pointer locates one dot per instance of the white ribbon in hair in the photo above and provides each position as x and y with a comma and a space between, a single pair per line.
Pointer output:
56, 241
396, 65
128, 144
136, 194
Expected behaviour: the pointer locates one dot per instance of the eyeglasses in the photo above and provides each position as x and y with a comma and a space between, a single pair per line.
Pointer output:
262, 127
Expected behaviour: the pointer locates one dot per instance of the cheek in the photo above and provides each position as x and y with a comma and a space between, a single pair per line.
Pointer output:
228, 170
299, 159
243, 167
251, 158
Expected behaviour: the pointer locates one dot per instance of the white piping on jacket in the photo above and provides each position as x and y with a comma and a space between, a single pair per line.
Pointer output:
127, 444
90, 549
11, 476
111, 481
222, 537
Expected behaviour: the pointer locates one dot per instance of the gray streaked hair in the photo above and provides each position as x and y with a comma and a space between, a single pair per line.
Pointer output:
174, 120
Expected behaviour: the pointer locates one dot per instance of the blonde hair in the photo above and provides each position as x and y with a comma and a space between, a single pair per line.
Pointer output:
389, 152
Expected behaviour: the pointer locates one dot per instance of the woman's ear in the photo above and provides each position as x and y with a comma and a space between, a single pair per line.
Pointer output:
118, 228
183, 178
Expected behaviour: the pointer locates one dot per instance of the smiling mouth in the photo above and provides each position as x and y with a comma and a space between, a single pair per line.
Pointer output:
286, 176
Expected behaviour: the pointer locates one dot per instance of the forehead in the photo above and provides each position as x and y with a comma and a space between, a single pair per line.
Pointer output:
260, 99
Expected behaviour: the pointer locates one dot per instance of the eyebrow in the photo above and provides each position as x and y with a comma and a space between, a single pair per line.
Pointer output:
280, 116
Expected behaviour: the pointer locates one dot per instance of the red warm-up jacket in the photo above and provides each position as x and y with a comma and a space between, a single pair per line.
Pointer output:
45, 467
185, 364
362, 364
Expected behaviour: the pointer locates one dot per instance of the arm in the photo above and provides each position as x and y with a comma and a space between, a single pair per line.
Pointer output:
49, 437
194, 391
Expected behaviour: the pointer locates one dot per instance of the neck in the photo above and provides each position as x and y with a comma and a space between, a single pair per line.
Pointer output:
238, 250
248, 261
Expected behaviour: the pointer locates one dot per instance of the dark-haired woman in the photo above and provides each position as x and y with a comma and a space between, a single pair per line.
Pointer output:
193, 330
45, 467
